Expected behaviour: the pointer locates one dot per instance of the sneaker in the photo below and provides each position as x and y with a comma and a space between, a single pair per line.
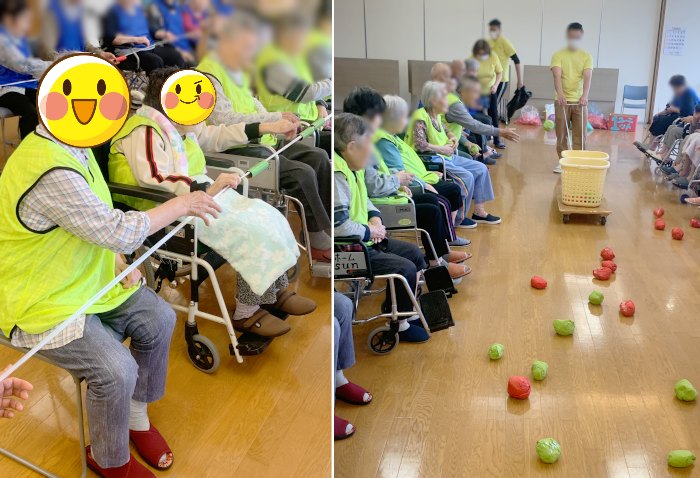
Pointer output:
490, 161
460, 242
499, 145
414, 334
655, 156
641, 146
466, 224
489, 219
557, 170
668, 170
496, 155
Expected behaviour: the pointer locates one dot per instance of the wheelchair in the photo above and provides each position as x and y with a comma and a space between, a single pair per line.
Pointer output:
184, 256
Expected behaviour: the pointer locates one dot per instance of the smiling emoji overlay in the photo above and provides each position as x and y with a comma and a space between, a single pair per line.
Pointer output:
188, 97
83, 100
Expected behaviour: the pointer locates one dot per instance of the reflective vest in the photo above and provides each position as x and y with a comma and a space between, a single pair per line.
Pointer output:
359, 212
411, 161
398, 198
454, 128
46, 276
437, 137
241, 98
120, 171
270, 55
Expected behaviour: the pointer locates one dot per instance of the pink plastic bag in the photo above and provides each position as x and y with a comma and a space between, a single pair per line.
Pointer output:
529, 116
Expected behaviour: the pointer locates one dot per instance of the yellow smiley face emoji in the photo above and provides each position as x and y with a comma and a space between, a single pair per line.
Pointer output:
83, 100
188, 97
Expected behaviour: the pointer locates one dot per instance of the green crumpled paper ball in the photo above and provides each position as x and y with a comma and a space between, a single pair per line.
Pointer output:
564, 327
685, 391
548, 449
548, 125
539, 369
496, 351
681, 458
473, 150
596, 297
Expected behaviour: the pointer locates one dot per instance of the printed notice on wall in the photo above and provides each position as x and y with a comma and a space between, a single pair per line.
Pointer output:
674, 41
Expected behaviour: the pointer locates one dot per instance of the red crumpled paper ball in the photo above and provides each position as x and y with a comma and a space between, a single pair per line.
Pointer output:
518, 387
627, 308
677, 233
659, 212
659, 224
602, 274
610, 265
607, 254
694, 223
538, 282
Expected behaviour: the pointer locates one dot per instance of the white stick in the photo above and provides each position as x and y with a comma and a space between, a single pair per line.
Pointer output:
18, 82
118, 279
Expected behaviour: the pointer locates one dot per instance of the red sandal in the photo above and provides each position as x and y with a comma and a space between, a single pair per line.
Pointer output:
342, 428
352, 394
133, 469
151, 446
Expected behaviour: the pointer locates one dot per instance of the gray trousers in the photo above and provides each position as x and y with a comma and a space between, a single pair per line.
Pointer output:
344, 346
115, 374
673, 133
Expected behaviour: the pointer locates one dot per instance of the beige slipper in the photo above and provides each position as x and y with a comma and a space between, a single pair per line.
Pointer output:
262, 323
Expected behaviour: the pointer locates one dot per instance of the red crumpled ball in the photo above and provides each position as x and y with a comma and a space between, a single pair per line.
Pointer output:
677, 233
659, 212
538, 282
660, 224
519, 387
607, 254
627, 308
603, 273
610, 265
694, 223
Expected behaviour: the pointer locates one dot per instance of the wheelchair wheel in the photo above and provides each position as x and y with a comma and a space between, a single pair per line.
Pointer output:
203, 354
148, 271
382, 340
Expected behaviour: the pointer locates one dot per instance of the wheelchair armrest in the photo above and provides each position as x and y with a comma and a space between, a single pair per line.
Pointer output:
431, 165
245, 157
150, 194
351, 258
347, 239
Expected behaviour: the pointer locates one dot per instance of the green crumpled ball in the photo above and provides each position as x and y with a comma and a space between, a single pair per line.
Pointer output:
496, 351
685, 391
681, 458
539, 369
548, 125
473, 150
549, 450
564, 327
596, 297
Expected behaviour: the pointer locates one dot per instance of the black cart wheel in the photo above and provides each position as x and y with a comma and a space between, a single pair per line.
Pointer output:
565, 218
382, 340
603, 220
203, 354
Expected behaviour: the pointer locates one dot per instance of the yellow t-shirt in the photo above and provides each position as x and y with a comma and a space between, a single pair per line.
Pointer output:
503, 49
487, 72
572, 64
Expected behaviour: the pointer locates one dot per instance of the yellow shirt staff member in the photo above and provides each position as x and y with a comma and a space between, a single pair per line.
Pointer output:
490, 74
505, 51
572, 69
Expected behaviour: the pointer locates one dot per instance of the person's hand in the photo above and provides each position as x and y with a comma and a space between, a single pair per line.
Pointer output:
509, 134
169, 37
430, 188
406, 191
377, 232
561, 99
520, 84
187, 56
142, 40
283, 126
687, 119
322, 113
291, 117
12, 390
494, 89
437, 173
446, 150
199, 204
583, 101
223, 181
470, 144
132, 278
109, 57
405, 178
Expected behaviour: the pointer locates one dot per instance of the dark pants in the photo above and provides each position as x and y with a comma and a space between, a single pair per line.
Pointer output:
660, 123
23, 105
430, 217
159, 57
397, 257
325, 143
450, 191
491, 105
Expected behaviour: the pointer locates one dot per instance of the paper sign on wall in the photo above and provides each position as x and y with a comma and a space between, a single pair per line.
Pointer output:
674, 41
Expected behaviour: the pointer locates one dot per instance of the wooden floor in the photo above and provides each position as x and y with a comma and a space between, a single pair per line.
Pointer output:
441, 409
269, 416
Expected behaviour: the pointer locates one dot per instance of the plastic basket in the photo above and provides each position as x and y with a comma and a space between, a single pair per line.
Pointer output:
582, 154
583, 180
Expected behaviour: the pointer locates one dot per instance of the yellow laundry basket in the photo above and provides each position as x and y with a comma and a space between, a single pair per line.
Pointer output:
583, 178
582, 154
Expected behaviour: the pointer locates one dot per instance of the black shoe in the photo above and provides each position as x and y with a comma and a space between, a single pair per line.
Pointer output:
488, 161
489, 219
499, 145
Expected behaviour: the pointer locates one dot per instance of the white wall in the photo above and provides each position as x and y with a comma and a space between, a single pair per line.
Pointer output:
684, 14
618, 33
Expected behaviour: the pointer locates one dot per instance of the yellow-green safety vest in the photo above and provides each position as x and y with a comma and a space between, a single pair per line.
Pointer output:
454, 128
437, 137
241, 97
359, 212
398, 198
120, 171
411, 160
272, 54
46, 276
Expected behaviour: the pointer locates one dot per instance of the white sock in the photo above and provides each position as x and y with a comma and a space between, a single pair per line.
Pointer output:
244, 311
403, 325
138, 417
340, 379
320, 240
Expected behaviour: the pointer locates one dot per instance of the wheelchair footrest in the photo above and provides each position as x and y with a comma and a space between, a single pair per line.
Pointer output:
251, 344
438, 278
436, 310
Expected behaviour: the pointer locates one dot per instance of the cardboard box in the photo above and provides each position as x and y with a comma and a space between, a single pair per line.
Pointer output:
624, 123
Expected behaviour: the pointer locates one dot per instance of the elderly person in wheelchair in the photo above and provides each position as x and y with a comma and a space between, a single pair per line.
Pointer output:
356, 216
251, 235
60, 243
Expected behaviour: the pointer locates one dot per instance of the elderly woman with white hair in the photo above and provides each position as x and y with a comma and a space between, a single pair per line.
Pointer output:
428, 135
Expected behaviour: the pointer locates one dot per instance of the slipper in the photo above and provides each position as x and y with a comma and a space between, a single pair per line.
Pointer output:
294, 304
262, 323
457, 270
457, 257
321, 255
133, 469
151, 447
352, 394
342, 428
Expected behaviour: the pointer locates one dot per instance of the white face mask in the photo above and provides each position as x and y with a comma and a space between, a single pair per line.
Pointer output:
494, 34
574, 43
483, 57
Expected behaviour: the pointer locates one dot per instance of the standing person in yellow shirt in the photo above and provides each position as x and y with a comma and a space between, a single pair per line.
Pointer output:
505, 51
490, 73
572, 69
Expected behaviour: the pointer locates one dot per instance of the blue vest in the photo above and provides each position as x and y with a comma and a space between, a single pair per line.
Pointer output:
11, 76
70, 30
172, 22
132, 24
